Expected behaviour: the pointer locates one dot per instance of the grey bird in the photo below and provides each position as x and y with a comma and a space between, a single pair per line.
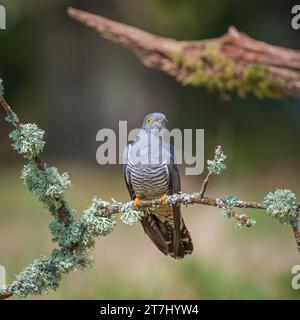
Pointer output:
150, 172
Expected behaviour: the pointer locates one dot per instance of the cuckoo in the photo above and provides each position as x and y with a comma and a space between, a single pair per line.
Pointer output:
151, 172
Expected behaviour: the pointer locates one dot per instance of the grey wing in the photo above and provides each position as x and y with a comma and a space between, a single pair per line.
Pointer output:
175, 186
173, 173
174, 178
182, 242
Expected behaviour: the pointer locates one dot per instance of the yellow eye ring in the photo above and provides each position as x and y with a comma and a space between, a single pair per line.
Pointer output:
149, 120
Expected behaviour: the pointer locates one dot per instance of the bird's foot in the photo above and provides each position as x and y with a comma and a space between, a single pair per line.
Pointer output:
136, 202
163, 199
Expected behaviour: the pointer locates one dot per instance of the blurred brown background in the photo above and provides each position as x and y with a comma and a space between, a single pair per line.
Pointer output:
72, 83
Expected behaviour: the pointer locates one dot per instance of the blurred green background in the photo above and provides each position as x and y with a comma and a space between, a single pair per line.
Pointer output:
71, 82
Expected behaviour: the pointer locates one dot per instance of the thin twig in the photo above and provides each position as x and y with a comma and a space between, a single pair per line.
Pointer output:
242, 218
205, 183
5, 105
218, 152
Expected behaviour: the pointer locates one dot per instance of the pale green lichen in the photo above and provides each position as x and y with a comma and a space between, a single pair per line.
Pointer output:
36, 279
282, 206
45, 273
230, 202
129, 215
66, 261
27, 139
217, 165
12, 118
240, 225
45, 184
214, 70
226, 204
97, 221
66, 236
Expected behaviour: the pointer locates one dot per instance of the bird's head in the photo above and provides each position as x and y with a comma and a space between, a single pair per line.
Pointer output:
155, 121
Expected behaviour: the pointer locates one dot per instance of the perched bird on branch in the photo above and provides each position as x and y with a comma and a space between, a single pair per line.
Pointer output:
150, 172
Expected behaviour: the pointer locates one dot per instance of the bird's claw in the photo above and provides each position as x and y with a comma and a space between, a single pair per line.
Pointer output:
163, 199
136, 202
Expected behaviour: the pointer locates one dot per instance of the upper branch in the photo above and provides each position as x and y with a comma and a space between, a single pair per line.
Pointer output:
232, 62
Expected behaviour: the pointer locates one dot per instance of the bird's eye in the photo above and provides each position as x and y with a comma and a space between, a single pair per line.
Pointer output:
149, 120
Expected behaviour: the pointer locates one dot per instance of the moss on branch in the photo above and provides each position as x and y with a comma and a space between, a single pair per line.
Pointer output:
215, 71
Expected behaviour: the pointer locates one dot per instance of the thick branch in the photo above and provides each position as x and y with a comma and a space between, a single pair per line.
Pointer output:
232, 62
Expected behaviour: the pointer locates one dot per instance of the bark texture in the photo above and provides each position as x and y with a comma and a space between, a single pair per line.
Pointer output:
233, 62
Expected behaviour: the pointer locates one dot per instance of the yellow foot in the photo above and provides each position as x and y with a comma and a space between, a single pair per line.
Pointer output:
136, 202
163, 199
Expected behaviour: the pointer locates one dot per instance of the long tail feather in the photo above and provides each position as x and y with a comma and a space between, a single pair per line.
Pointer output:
166, 228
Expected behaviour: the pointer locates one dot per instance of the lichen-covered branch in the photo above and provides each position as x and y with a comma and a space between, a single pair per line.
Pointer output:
28, 141
75, 235
233, 62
